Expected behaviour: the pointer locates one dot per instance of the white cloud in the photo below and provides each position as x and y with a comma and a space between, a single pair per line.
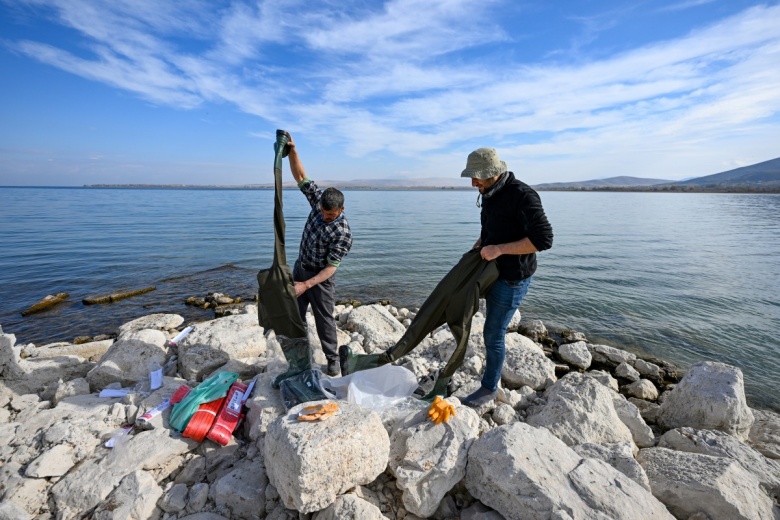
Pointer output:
426, 80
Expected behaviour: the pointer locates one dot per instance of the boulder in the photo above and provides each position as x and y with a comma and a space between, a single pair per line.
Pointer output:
126, 362
579, 409
648, 410
428, 459
629, 414
692, 483
214, 343
375, 323
349, 507
610, 355
619, 455
626, 371
604, 378
525, 364
160, 321
134, 499
311, 463
242, 491
711, 396
765, 433
720, 444
576, 354
648, 369
642, 389
524, 472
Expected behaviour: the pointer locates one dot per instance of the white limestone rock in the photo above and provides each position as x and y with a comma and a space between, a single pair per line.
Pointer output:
524, 472
765, 433
175, 499
629, 414
12, 511
160, 321
711, 396
349, 507
126, 362
610, 355
526, 365
429, 459
604, 378
620, 456
311, 463
648, 369
579, 409
376, 325
90, 483
626, 371
576, 354
242, 490
503, 414
642, 389
533, 329
648, 410
215, 342
134, 499
10, 356
78, 386
54, 462
518, 399
92, 350
264, 407
720, 444
691, 483
27, 494
155, 337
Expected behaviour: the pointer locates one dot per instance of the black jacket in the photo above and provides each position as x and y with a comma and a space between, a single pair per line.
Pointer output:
511, 214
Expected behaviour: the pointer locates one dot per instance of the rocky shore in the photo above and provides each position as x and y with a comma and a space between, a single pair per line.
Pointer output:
578, 431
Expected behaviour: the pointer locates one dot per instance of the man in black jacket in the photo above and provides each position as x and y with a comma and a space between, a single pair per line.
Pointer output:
514, 229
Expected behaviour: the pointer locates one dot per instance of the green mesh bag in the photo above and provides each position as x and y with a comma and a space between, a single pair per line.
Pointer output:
210, 389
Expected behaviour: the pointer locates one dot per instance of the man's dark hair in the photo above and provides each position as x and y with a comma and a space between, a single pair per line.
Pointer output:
332, 199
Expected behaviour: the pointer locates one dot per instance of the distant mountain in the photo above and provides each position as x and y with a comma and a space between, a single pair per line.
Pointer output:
765, 173
611, 182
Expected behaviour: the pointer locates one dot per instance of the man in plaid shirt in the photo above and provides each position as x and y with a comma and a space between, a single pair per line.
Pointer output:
326, 240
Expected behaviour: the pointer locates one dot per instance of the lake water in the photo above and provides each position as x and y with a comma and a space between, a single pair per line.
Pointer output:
684, 277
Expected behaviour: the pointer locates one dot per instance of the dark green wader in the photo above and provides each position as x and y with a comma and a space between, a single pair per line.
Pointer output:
454, 301
277, 306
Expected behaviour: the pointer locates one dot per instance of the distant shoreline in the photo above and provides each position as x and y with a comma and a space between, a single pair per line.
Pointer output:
627, 189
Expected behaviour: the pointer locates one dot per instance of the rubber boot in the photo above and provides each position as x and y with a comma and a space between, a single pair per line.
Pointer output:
351, 363
298, 355
439, 388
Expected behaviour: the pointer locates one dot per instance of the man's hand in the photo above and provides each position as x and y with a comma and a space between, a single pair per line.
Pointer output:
490, 252
300, 288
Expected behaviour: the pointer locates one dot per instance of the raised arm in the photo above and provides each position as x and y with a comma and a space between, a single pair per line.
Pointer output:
296, 166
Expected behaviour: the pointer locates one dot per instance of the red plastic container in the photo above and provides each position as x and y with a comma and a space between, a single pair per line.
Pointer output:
229, 415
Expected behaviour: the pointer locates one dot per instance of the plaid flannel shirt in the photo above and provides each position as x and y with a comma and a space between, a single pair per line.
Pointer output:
322, 243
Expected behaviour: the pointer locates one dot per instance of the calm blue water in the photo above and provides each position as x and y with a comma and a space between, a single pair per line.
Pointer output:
684, 277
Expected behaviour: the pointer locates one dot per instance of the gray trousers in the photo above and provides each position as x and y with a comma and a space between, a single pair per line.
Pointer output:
322, 298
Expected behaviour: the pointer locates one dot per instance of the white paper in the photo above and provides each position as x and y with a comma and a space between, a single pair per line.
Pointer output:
114, 392
156, 378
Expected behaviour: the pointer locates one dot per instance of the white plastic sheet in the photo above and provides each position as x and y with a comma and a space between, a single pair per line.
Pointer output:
377, 388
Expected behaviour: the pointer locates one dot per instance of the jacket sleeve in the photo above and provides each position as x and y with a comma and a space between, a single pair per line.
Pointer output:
540, 231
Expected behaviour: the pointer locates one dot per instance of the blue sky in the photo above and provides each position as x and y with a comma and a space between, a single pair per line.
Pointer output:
155, 91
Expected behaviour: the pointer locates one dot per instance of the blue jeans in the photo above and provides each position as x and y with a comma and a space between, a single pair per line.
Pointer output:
502, 300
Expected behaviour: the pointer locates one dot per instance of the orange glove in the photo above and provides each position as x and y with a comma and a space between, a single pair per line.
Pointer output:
440, 410
318, 412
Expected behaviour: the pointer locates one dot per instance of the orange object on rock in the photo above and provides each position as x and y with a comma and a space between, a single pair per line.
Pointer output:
318, 412
201, 421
